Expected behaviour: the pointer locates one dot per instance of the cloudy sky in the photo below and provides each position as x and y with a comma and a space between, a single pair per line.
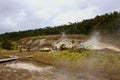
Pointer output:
18, 15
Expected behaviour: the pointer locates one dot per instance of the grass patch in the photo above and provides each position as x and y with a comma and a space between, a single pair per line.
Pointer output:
92, 62
100, 63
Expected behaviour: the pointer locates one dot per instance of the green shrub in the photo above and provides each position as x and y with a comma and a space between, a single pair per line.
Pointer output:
6, 45
63, 47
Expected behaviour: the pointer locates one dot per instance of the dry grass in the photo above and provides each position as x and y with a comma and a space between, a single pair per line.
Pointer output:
44, 58
91, 62
106, 65
55, 37
97, 63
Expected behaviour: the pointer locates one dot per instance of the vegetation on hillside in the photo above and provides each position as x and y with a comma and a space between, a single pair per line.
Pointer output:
6, 44
108, 23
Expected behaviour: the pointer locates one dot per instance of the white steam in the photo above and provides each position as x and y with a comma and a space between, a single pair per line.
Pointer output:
63, 40
63, 36
28, 66
95, 43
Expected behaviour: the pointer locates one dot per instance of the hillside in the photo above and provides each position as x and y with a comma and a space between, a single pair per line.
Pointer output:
107, 24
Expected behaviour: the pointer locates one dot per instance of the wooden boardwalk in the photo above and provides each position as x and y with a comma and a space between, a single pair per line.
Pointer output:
8, 59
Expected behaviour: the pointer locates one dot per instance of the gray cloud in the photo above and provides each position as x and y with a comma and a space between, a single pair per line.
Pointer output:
18, 15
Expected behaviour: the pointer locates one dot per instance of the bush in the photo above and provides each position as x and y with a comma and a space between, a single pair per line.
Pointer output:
63, 47
6, 45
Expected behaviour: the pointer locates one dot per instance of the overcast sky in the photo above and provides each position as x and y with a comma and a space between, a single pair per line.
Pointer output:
18, 15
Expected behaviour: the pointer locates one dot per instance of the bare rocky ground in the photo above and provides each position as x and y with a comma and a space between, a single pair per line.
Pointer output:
9, 73
21, 73
91, 42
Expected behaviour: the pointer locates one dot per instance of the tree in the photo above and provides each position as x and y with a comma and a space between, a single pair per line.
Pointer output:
6, 45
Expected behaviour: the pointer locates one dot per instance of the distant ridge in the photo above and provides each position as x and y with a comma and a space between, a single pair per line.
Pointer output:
107, 24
